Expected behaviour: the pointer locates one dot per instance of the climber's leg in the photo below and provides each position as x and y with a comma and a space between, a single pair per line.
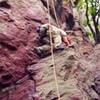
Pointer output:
43, 51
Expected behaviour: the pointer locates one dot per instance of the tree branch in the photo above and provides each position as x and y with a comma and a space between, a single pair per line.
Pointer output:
87, 16
98, 20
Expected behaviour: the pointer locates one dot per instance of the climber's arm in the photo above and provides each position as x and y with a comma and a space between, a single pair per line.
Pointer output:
66, 40
62, 33
65, 37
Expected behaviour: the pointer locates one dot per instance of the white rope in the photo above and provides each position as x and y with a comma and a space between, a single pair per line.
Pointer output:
52, 53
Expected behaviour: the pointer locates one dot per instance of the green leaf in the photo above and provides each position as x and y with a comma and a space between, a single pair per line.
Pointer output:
99, 27
80, 4
85, 22
89, 34
92, 10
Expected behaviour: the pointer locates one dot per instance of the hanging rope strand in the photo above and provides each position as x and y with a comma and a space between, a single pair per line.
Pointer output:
52, 53
55, 14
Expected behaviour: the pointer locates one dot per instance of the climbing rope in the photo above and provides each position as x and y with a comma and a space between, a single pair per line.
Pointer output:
52, 53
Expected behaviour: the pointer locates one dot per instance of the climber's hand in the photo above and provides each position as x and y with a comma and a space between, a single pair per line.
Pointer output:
67, 40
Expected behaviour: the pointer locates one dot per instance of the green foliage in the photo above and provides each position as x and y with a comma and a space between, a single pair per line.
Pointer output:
99, 27
89, 34
92, 11
80, 4
85, 22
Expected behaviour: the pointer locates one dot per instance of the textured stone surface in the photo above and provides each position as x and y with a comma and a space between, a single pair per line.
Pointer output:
17, 38
23, 76
75, 74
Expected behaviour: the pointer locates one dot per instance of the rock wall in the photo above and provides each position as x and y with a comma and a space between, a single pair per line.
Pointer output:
23, 76
17, 38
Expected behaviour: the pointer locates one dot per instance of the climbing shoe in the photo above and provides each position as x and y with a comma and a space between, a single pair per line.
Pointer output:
39, 52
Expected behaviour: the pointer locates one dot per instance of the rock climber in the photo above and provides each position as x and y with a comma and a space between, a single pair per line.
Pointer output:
58, 36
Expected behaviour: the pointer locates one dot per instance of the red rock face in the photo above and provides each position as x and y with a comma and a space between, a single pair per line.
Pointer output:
17, 38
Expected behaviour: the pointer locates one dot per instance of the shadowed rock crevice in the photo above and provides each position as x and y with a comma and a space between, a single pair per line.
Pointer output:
6, 45
5, 4
50, 7
70, 21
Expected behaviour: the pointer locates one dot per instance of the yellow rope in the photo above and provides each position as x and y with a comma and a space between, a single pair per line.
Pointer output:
53, 61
